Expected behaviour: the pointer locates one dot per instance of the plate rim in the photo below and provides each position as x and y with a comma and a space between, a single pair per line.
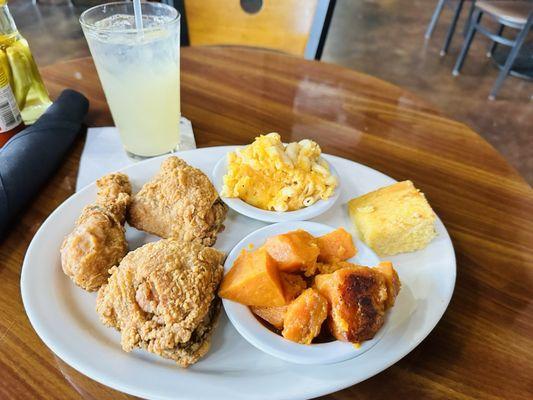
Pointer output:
91, 373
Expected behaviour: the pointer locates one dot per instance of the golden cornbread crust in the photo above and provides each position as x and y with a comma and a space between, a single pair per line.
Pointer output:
394, 219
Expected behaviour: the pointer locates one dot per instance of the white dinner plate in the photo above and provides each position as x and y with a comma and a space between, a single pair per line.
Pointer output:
312, 211
63, 315
263, 338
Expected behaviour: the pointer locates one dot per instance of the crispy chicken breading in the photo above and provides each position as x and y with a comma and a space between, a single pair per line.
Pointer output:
162, 297
198, 345
97, 241
180, 202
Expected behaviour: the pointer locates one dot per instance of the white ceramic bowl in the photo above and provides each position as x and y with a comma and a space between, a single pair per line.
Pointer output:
269, 342
314, 210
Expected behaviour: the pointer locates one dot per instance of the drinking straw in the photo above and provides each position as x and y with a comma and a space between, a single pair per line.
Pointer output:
138, 15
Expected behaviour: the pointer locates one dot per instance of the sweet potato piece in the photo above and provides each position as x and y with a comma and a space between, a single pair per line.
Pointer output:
336, 246
304, 317
294, 251
273, 315
392, 280
329, 268
292, 285
357, 296
253, 280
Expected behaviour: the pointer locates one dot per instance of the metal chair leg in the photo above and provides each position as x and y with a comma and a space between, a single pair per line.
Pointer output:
494, 44
451, 29
468, 41
435, 18
469, 18
511, 58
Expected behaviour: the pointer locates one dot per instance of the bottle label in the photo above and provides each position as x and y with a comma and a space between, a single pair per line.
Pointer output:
9, 112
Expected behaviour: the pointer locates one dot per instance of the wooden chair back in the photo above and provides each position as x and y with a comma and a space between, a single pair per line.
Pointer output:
293, 26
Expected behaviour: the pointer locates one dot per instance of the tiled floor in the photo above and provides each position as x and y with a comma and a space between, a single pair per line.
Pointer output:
384, 38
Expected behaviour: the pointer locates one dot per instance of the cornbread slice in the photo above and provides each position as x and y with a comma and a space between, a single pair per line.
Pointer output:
394, 219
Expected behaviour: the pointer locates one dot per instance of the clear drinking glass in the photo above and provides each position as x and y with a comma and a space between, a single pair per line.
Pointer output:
139, 71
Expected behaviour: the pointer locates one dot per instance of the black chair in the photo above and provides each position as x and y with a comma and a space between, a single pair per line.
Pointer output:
451, 29
513, 14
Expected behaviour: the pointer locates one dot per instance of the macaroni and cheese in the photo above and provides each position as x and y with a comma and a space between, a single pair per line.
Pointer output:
270, 175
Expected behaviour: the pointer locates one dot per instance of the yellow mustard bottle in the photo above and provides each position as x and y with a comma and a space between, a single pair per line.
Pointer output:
20, 69
10, 119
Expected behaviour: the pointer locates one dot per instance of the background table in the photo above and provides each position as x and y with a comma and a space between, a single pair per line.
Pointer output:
483, 346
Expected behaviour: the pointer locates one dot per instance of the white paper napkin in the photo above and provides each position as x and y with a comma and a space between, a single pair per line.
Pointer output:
103, 152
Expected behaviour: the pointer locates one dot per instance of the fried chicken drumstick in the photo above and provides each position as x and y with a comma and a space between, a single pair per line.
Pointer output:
97, 242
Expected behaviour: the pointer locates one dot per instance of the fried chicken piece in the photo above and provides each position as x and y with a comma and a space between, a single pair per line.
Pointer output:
198, 345
180, 202
97, 242
110, 188
358, 297
162, 297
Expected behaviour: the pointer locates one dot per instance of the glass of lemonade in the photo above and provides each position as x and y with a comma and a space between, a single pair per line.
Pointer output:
139, 71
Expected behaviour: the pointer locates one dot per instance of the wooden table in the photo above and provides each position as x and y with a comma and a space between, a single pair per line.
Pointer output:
483, 346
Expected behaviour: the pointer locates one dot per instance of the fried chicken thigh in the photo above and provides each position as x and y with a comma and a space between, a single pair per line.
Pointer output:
180, 202
162, 297
97, 242
358, 298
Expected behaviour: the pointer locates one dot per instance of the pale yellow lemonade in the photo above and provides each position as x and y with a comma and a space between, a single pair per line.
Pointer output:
140, 78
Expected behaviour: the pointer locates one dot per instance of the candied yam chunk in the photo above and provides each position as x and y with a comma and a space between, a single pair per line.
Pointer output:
336, 246
392, 280
294, 251
304, 317
357, 297
329, 268
292, 285
253, 280
273, 315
